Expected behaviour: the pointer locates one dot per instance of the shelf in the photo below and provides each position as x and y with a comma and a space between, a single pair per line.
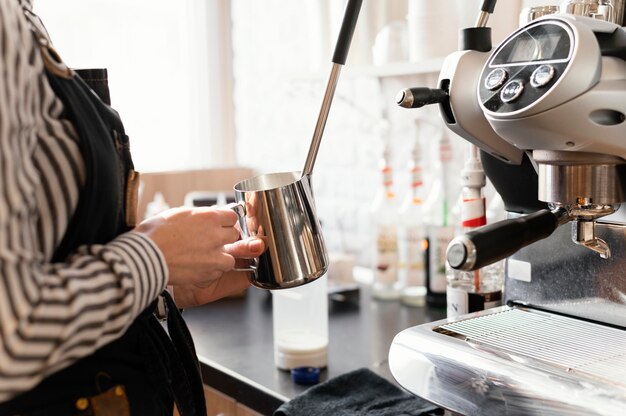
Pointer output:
396, 69
428, 66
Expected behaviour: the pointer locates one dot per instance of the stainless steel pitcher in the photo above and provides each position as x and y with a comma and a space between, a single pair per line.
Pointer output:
280, 209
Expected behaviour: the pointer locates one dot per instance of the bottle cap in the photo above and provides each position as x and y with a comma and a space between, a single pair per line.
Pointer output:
305, 375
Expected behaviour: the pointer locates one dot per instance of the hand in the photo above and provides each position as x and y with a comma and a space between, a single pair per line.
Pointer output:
195, 243
229, 283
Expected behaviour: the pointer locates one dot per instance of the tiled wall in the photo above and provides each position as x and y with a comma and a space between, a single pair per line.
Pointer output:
280, 78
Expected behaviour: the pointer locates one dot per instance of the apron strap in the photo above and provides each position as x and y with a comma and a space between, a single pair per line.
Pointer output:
186, 374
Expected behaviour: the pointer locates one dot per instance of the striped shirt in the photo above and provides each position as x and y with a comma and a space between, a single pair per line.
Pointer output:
51, 315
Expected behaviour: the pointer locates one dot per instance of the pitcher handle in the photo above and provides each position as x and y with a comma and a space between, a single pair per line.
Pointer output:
240, 209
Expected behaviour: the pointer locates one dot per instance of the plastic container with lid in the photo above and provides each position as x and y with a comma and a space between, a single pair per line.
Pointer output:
300, 318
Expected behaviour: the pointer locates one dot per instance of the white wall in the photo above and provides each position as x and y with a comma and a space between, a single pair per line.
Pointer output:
160, 64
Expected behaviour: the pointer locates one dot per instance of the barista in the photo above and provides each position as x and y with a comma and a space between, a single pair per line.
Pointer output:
80, 286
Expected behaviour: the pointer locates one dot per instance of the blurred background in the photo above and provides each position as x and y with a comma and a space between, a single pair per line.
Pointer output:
212, 86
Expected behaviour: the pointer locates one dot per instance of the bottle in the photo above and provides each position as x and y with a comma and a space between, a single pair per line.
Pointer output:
496, 212
412, 237
480, 289
383, 214
156, 206
439, 228
495, 209
300, 325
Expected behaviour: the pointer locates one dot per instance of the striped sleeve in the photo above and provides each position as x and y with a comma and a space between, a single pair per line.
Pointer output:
51, 315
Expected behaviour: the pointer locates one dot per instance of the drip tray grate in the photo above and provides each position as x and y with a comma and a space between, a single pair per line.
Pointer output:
574, 345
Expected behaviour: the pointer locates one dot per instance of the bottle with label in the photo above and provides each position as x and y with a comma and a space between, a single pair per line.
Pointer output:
412, 237
480, 289
383, 214
439, 227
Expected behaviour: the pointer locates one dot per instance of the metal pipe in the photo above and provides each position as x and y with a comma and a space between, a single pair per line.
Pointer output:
351, 14
482, 20
321, 120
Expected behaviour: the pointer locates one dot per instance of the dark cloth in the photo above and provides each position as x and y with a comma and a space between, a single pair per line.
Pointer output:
98, 81
358, 393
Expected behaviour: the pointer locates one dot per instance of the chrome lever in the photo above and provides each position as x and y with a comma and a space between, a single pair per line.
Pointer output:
583, 233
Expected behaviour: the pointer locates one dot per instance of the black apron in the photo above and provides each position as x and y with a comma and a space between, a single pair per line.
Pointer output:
144, 371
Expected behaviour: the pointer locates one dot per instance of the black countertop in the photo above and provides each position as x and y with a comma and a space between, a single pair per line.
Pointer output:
233, 339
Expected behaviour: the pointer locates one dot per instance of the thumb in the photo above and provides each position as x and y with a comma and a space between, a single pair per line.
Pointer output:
248, 248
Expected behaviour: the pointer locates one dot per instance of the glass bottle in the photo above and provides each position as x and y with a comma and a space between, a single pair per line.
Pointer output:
412, 233
439, 228
383, 213
496, 212
480, 289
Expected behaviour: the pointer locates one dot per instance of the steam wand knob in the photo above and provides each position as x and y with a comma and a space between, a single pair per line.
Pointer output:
419, 97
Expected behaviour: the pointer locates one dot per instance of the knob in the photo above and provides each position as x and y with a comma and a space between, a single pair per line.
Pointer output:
488, 244
419, 97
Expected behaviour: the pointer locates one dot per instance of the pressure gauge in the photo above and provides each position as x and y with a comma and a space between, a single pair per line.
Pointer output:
533, 59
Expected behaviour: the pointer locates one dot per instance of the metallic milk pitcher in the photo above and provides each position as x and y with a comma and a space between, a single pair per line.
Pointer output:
280, 209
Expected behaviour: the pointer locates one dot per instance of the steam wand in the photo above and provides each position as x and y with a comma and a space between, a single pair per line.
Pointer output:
351, 15
487, 8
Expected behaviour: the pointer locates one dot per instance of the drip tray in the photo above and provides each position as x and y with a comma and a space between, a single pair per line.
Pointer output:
573, 345
514, 361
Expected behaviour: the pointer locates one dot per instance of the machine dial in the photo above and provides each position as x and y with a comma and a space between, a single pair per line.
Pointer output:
526, 66
542, 76
496, 78
512, 91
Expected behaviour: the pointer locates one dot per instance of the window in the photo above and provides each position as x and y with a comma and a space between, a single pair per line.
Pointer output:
169, 72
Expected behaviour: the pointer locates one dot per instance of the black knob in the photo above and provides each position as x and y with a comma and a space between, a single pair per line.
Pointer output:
457, 253
419, 97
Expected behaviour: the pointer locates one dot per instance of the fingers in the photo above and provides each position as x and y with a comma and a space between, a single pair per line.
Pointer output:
232, 283
217, 224
222, 216
247, 249
229, 284
226, 235
198, 244
228, 220
226, 262
201, 293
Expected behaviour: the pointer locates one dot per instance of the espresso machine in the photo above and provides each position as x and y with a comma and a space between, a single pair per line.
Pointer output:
547, 108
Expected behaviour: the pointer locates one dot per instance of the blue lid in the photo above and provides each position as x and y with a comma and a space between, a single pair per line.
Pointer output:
305, 375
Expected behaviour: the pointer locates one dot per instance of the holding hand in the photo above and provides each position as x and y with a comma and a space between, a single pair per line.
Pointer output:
200, 246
